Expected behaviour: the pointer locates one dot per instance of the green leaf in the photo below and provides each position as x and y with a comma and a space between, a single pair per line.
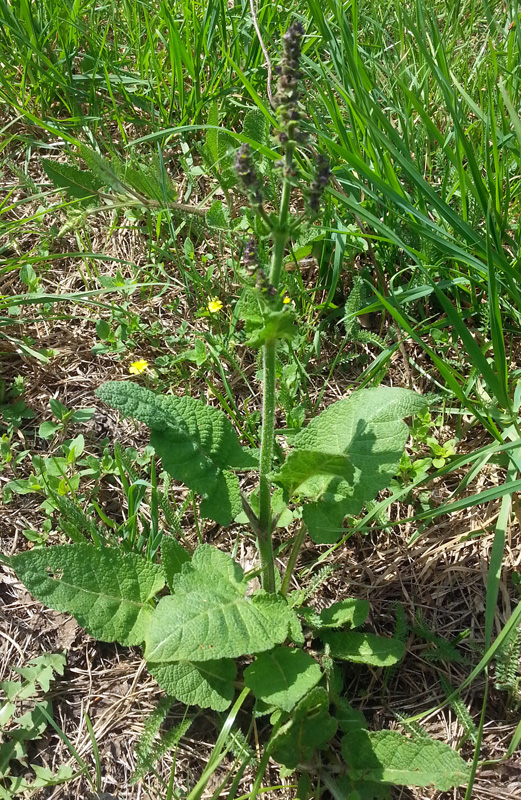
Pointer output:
364, 648
196, 442
282, 677
209, 617
101, 168
106, 591
173, 556
310, 728
352, 611
275, 325
42, 669
47, 429
207, 684
218, 216
347, 455
223, 502
390, 757
32, 724
254, 126
347, 716
45, 777
76, 183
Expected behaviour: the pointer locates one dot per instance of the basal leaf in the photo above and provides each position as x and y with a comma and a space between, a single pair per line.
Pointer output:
352, 611
101, 168
173, 556
390, 757
310, 728
347, 716
282, 677
106, 591
364, 648
325, 519
223, 502
197, 443
76, 183
207, 684
209, 617
346, 455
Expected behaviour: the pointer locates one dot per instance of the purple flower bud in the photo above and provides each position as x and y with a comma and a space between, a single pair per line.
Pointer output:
246, 172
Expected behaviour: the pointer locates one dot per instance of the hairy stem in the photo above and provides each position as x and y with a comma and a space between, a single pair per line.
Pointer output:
280, 236
266, 456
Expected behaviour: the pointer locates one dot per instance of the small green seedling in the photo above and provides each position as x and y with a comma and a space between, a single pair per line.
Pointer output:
19, 730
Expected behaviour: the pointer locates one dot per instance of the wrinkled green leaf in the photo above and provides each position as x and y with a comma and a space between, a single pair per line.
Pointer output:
173, 556
196, 442
76, 183
347, 716
254, 126
218, 216
390, 757
347, 455
351, 611
282, 677
106, 591
275, 325
310, 728
209, 617
364, 648
207, 684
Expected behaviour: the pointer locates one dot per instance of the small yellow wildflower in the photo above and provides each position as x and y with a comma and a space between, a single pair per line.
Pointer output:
286, 300
138, 367
214, 305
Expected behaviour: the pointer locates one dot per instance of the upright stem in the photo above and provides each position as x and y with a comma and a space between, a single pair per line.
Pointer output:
265, 544
280, 236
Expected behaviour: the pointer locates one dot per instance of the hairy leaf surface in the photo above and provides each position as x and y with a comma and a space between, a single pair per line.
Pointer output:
197, 443
76, 183
351, 611
390, 757
209, 617
364, 648
207, 684
105, 590
173, 556
282, 677
346, 455
310, 728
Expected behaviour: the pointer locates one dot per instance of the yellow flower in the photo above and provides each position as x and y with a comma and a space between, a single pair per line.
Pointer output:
286, 300
215, 305
138, 367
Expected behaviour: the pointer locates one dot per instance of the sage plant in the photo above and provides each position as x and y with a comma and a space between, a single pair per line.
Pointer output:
195, 614
279, 227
